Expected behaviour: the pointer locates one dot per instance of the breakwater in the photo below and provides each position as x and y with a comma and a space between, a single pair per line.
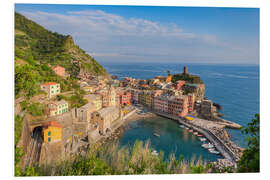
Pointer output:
213, 138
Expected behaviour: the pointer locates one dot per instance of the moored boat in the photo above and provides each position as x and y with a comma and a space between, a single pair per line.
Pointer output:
181, 126
195, 133
199, 135
190, 130
202, 139
154, 152
156, 134
213, 151
207, 145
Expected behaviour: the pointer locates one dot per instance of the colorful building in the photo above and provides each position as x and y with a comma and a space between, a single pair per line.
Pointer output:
179, 84
175, 105
161, 104
59, 70
51, 88
169, 78
178, 105
124, 98
95, 99
84, 113
135, 96
104, 118
112, 96
57, 107
191, 101
52, 132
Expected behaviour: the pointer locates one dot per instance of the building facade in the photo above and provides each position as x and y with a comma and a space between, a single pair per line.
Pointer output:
104, 118
59, 70
95, 99
57, 108
51, 88
52, 132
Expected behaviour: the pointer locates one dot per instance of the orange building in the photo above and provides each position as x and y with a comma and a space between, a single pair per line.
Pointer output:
52, 132
169, 78
59, 70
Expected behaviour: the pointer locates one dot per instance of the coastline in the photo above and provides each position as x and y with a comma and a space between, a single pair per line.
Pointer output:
124, 126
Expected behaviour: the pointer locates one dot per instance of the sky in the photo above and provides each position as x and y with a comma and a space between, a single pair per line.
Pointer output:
155, 33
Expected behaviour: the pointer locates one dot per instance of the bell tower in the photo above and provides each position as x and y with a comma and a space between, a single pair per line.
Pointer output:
185, 70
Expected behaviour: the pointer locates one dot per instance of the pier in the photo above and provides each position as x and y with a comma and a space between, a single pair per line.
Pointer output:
220, 145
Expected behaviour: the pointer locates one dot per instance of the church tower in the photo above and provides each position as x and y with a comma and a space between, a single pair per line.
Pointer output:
185, 70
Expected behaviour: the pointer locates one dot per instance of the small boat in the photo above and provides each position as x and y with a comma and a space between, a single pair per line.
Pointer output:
186, 127
199, 135
202, 139
207, 146
213, 151
181, 126
195, 133
190, 130
154, 152
156, 134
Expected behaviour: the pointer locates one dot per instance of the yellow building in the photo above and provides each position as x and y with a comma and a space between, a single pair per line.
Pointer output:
148, 99
95, 99
52, 132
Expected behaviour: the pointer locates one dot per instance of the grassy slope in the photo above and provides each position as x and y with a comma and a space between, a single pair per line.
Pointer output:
32, 41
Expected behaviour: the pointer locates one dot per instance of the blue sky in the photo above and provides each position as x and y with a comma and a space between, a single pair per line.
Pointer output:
155, 34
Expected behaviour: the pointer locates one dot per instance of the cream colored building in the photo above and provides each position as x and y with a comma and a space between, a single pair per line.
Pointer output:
51, 88
95, 99
57, 107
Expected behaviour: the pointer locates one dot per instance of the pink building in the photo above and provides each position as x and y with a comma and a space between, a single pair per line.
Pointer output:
174, 105
59, 70
161, 104
191, 100
179, 84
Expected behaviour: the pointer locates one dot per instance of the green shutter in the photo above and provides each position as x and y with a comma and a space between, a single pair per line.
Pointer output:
49, 139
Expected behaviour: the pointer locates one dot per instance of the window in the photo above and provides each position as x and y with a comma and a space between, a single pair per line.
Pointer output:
49, 139
49, 133
57, 90
55, 112
52, 91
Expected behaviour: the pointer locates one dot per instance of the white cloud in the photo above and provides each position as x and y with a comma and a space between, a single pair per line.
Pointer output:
113, 37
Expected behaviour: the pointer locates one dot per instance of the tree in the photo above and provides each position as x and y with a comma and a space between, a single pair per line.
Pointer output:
250, 160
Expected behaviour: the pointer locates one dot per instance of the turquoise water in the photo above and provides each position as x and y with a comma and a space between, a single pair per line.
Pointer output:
172, 138
234, 87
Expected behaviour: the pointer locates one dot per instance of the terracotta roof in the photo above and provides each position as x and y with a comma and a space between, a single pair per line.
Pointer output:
57, 66
49, 83
51, 123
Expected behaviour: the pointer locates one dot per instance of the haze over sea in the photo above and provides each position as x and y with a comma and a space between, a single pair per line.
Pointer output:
234, 87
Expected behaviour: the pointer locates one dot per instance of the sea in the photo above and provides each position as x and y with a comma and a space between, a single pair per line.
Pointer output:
234, 87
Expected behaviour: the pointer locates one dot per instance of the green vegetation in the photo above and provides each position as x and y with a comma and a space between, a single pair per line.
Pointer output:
250, 160
75, 100
110, 159
188, 78
18, 150
35, 109
35, 44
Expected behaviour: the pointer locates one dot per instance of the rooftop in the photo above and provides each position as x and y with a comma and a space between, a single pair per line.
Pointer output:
51, 123
49, 83
107, 110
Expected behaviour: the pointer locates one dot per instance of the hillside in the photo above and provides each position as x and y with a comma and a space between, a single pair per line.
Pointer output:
35, 43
